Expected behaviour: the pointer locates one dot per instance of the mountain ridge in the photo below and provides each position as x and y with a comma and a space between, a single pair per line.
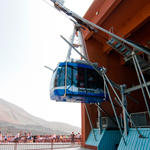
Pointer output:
13, 115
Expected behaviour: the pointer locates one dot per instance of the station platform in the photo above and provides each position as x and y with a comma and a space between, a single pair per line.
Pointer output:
80, 148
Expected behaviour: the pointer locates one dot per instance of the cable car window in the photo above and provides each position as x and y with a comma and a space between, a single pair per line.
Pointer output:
92, 77
100, 83
83, 84
60, 77
79, 77
94, 80
75, 77
69, 75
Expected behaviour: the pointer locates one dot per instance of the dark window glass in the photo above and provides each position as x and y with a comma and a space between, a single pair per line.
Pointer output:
79, 77
94, 80
100, 83
91, 79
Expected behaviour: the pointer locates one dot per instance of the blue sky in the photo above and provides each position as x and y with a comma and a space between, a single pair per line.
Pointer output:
30, 39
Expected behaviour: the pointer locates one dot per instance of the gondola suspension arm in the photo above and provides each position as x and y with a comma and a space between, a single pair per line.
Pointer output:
110, 83
91, 26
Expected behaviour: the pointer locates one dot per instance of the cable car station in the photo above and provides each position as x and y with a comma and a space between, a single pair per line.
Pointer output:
113, 76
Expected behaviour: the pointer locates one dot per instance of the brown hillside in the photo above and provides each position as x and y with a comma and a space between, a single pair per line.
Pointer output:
11, 114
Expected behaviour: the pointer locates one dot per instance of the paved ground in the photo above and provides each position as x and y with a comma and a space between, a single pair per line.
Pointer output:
78, 148
40, 146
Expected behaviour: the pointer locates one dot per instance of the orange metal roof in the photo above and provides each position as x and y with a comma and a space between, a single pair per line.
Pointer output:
119, 14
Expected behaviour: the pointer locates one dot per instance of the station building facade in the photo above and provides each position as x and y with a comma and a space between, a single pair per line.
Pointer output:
129, 20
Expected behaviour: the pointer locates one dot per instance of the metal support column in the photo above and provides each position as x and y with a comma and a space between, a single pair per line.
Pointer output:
124, 102
71, 42
113, 107
140, 70
68, 56
110, 83
136, 68
140, 135
81, 42
99, 118
76, 28
90, 121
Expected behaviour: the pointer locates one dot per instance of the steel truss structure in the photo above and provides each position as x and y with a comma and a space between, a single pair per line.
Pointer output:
122, 88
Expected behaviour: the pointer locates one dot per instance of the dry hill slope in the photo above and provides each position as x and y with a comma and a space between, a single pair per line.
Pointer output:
12, 115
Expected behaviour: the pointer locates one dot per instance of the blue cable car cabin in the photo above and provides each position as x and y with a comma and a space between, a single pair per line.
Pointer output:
83, 84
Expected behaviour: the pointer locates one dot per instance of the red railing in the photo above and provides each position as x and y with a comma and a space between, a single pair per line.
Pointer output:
37, 146
37, 140
43, 143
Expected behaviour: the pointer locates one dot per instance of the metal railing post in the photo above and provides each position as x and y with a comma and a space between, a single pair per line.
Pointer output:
52, 145
15, 146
